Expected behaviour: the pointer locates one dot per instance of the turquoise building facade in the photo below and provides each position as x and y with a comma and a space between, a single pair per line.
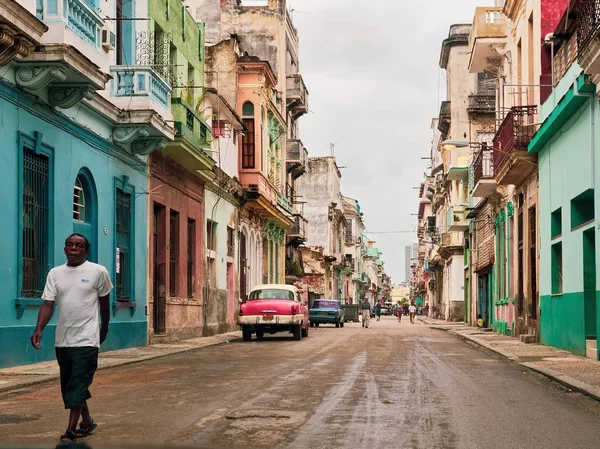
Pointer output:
567, 146
48, 160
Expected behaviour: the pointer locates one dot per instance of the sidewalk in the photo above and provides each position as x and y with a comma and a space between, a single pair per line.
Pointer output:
575, 372
26, 375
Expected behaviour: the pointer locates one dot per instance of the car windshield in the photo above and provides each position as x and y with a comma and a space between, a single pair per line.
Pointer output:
272, 293
325, 304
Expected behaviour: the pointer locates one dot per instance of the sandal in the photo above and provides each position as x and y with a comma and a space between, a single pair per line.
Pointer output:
85, 431
68, 437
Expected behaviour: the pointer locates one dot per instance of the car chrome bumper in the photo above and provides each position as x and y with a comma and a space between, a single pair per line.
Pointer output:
323, 319
278, 320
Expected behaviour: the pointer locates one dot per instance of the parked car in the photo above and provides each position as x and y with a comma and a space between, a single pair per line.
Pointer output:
326, 311
274, 308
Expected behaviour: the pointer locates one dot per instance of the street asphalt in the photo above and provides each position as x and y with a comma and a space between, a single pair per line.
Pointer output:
390, 386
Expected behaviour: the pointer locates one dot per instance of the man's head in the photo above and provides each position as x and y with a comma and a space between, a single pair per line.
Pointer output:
77, 247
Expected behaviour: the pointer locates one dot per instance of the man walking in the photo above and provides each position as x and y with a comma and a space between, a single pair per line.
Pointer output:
366, 312
411, 311
80, 289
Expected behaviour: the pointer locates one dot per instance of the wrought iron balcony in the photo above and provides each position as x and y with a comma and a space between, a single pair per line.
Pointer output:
285, 203
482, 104
444, 117
483, 173
296, 158
488, 33
512, 163
588, 30
297, 95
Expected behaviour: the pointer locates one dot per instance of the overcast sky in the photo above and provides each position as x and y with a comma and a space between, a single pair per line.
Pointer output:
371, 68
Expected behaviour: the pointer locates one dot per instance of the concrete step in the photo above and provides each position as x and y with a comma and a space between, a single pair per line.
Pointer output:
527, 338
591, 349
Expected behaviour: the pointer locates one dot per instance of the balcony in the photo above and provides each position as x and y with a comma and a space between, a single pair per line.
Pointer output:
512, 163
481, 104
483, 174
588, 31
140, 88
487, 39
459, 168
296, 158
450, 244
456, 219
297, 233
285, 203
444, 118
297, 95
192, 137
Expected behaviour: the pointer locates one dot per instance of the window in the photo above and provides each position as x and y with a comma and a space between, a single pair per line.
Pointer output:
556, 223
78, 201
249, 138
173, 251
124, 263
36, 223
230, 242
211, 235
557, 269
191, 256
582, 209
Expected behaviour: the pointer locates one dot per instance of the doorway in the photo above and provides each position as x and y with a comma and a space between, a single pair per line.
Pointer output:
483, 298
159, 312
243, 269
589, 283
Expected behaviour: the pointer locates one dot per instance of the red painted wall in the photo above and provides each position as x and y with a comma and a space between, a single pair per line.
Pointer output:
551, 13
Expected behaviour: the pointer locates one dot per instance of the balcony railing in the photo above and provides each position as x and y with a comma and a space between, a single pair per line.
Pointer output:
514, 133
483, 165
482, 104
456, 219
296, 158
140, 81
297, 95
444, 117
285, 203
488, 31
298, 230
588, 22
189, 124
564, 57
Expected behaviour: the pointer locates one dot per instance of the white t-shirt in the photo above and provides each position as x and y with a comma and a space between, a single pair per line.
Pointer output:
76, 291
412, 309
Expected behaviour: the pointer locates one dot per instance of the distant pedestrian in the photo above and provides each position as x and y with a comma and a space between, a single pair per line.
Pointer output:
81, 291
411, 311
427, 309
366, 312
378, 311
398, 310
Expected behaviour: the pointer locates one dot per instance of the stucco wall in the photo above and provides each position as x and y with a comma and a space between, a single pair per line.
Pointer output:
73, 148
565, 171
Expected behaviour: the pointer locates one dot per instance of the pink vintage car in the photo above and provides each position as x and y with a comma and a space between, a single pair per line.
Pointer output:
274, 308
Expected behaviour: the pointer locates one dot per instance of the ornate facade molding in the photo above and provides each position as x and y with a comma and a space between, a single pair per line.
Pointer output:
12, 45
146, 145
66, 96
128, 133
35, 77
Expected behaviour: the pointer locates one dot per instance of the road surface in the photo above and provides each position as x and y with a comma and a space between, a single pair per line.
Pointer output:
392, 385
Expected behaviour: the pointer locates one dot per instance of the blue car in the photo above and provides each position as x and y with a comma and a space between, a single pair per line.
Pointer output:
326, 311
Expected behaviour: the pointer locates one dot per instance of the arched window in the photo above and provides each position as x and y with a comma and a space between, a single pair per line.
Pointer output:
84, 210
79, 200
249, 138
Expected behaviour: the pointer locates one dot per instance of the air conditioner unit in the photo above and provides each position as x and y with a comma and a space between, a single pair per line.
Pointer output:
109, 40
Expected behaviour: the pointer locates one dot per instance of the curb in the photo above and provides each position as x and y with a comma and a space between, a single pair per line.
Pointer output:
567, 381
50, 377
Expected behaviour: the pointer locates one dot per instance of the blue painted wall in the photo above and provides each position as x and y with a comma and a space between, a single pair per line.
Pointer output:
74, 148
